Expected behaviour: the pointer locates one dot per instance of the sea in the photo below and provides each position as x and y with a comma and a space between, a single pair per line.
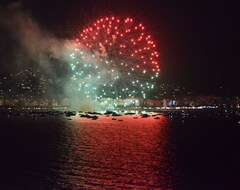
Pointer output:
200, 151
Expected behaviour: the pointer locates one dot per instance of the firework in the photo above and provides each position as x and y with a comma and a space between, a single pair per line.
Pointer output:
115, 58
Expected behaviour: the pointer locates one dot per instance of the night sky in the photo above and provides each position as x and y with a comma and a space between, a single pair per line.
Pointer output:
198, 40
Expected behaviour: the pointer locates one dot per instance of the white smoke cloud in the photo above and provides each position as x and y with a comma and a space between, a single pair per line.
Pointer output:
33, 38
38, 47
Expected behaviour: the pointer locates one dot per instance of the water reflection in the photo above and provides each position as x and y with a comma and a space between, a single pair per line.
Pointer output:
134, 153
144, 153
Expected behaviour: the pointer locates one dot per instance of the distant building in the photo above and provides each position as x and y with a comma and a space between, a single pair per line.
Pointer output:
131, 102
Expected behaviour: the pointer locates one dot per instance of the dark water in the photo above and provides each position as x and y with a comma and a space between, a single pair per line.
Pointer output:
144, 153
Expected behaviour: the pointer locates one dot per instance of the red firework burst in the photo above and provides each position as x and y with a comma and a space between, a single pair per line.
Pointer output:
123, 43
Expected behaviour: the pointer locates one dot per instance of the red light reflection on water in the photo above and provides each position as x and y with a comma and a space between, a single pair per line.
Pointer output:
133, 153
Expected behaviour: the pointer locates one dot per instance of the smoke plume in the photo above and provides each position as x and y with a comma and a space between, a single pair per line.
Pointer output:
27, 45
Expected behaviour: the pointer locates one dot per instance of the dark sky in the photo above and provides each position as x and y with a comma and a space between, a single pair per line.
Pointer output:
198, 40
